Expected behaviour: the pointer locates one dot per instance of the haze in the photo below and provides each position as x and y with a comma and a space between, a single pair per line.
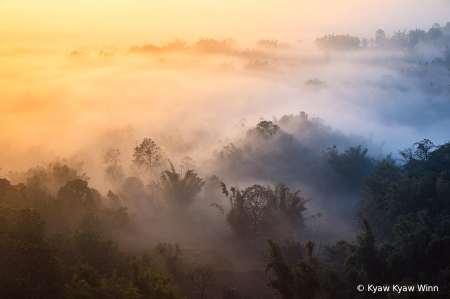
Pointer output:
78, 78
143, 143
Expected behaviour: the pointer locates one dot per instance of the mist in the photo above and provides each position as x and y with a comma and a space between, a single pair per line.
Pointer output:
233, 109
189, 98
64, 101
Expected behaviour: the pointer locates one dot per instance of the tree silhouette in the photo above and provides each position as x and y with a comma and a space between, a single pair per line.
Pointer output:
380, 37
180, 191
114, 171
203, 277
148, 157
187, 163
256, 204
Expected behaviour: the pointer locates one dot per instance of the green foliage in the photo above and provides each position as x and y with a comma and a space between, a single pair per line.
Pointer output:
363, 258
375, 202
352, 165
282, 277
237, 216
113, 287
171, 257
219, 207
290, 206
86, 273
22, 196
28, 226
409, 208
30, 267
337, 254
293, 252
79, 260
422, 184
180, 192
151, 285
95, 250
300, 281
262, 210
75, 193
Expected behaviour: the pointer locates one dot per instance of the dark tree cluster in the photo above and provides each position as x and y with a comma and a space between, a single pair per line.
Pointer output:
291, 149
404, 216
261, 210
60, 246
60, 238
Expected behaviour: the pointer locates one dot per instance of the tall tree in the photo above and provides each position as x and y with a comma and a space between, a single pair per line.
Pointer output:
352, 165
415, 36
114, 171
256, 204
299, 281
148, 157
187, 163
380, 37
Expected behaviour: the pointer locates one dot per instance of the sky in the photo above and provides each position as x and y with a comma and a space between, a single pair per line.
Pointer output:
58, 101
58, 23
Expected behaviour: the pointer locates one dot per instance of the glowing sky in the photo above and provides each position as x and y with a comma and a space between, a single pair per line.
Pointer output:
57, 22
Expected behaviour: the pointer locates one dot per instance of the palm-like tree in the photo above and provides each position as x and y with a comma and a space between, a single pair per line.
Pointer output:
180, 191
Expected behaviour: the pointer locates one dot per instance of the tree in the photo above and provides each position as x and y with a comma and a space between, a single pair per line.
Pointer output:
75, 193
187, 163
364, 258
282, 278
337, 254
264, 129
352, 165
400, 38
290, 206
337, 42
114, 171
415, 36
30, 267
374, 204
417, 158
300, 281
96, 250
380, 37
237, 216
180, 192
170, 255
435, 32
256, 204
148, 157
242, 125
61, 174
262, 209
150, 284
203, 277
133, 188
